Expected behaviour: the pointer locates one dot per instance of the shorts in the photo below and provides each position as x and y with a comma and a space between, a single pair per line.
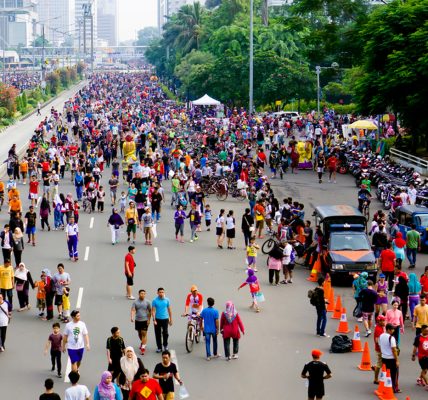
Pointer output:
287, 267
131, 228
141, 326
314, 392
58, 299
207, 222
379, 360
130, 280
377, 251
30, 230
75, 355
251, 260
219, 231
367, 316
260, 223
147, 230
230, 233
41, 303
423, 362
33, 196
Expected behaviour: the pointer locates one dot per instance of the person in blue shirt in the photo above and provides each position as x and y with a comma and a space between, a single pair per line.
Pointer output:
210, 326
106, 389
162, 317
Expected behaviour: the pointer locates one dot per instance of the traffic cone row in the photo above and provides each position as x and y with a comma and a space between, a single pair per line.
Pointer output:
330, 305
382, 377
388, 392
343, 323
337, 308
327, 287
316, 269
365, 364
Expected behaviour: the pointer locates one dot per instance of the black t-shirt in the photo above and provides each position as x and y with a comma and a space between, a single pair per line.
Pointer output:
199, 196
316, 370
368, 300
156, 199
31, 219
167, 385
116, 347
49, 396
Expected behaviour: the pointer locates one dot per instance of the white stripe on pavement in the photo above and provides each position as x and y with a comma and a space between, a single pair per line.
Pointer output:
155, 231
79, 298
67, 370
91, 224
156, 254
86, 253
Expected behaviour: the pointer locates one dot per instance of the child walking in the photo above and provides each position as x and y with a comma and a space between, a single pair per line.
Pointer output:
253, 283
66, 305
252, 254
41, 294
208, 216
55, 343
122, 202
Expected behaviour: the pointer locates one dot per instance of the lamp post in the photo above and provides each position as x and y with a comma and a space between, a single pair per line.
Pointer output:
334, 65
251, 59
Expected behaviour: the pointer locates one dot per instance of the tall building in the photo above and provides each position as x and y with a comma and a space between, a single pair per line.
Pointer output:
18, 20
166, 8
58, 16
80, 6
107, 21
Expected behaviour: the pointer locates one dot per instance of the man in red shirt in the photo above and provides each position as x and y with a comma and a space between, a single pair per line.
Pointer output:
424, 282
34, 190
379, 329
145, 388
420, 345
129, 272
387, 264
332, 166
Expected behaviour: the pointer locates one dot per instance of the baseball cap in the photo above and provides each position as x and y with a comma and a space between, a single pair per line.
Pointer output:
382, 276
193, 288
317, 353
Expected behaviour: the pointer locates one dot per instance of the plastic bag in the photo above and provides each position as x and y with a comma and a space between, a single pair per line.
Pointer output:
260, 297
183, 393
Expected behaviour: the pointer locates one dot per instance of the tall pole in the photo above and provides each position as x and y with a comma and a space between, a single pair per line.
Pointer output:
84, 36
251, 59
43, 52
4, 48
318, 71
92, 42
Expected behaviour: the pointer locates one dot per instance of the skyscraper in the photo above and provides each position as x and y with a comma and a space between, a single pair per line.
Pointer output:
107, 21
79, 12
58, 16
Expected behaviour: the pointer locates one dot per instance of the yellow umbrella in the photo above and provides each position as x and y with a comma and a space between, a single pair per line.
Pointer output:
363, 124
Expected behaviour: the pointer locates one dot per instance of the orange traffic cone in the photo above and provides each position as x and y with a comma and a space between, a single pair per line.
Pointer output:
382, 377
343, 324
356, 341
330, 305
327, 287
388, 393
366, 364
316, 269
337, 308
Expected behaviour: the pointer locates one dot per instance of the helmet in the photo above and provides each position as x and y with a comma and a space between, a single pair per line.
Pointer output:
193, 288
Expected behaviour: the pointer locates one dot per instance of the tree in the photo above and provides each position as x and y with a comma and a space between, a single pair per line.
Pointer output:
38, 42
147, 35
396, 65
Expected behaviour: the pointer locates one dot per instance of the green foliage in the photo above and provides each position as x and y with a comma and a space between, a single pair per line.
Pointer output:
64, 75
147, 35
38, 42
80, 68
53, 82
3, 112
24, 100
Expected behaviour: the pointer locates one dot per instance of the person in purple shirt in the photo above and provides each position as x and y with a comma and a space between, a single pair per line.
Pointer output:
179, 217
210, 326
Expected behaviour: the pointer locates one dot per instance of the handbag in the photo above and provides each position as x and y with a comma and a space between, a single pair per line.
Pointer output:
131, 221
260, 297
19, 287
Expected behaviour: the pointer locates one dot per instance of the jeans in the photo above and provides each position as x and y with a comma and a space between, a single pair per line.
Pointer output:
156, 213
321, 321
208, 343
8, 293
226, 342
56, 357
193, 233
179, 228
161, 332
252, 204
411, 256
247, 237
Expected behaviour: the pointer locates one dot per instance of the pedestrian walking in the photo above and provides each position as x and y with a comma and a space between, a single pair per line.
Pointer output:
5, 314
147, 221
60, 281
413, 244
388, 348
247, 226
30, 219
320, 305
288, 262
230, 230
165, 372
231, 327
7, 282
141, 313
74, 339
76, 391
115, 351
399, 248
179, 217
129, 271
38, 108
252, 254
420, 314
115, 221
415, 289
379, 330
72, 235
129, 366
162, 317
368, 298
316, 372
45, 210
131, 221
259, 211
145, 388
420, 348
194, 220
387, 262
254, 286
107, 389
54, 342
49, 393
220, 228
381, 288
6, 241
274, 263
17, 245
394, 317
23, 280
210, 328
208, 216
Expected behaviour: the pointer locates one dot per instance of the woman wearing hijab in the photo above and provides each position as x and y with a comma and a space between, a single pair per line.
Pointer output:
254, 286
23, 280
399, 247
129, 365
106, 389
415, 289
230, 327
115, 222
17, 245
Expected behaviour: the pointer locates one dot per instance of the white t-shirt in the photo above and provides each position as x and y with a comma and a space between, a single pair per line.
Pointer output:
75, 332
230, 223
386, 343
78, 392
287, 254
4, 318
219, 222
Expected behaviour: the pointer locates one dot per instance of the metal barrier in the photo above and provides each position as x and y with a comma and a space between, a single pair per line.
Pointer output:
419, 164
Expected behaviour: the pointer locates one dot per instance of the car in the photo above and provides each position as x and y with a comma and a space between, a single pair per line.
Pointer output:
292, 115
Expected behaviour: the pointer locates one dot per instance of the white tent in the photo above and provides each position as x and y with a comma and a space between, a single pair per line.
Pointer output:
206, 101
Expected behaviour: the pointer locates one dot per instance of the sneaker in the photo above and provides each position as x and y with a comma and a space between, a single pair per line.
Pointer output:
228, 358
165, 348
360, 319
131, 297
158, 350
235, 356
216, 355
59, 375
290, 281
368, 333
1, 349
196, 237
283, 282
53, 368
324, 335
191, 240
208, 358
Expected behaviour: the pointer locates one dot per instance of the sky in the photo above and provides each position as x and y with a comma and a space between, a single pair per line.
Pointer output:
134, 15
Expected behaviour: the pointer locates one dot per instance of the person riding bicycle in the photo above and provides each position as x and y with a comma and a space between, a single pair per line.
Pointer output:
364, 196
194, 302
366, 181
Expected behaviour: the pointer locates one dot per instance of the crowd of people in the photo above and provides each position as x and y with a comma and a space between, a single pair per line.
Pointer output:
23, 80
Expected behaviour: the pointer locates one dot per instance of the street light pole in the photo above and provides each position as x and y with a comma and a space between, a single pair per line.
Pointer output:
251, 59
43, 52
318, 71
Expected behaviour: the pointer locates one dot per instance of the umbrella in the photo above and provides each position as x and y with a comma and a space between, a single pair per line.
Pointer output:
363, 124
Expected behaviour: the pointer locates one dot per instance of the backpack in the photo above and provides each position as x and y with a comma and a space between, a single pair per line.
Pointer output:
341, 344
312, 294
293, 256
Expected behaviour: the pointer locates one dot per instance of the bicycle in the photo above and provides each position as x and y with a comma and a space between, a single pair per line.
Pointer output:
366, 210
193, 333
270, 243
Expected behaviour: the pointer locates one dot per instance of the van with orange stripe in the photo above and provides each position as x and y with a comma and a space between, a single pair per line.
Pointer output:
345, 239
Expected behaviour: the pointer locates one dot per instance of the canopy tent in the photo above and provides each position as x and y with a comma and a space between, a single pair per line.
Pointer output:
206, 101
363, 124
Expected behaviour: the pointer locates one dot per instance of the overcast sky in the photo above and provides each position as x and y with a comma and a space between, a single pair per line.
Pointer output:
134, 15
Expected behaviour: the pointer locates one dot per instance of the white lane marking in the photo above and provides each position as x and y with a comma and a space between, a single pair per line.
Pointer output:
155, 231
175, 361
79, 298
91, 224
86, 253
156, 254
67, 370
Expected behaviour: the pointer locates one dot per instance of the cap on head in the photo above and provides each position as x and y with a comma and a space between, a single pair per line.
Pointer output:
317, 353
193, 288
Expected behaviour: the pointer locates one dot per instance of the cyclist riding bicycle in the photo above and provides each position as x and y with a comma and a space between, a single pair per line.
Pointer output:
194, 303
363, 196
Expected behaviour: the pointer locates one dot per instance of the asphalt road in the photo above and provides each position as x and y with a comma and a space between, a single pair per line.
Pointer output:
277, 342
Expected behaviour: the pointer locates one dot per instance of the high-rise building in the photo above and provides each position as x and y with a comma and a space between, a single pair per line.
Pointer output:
107, 21
166, 8
58, 17
80, 7
18, 20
